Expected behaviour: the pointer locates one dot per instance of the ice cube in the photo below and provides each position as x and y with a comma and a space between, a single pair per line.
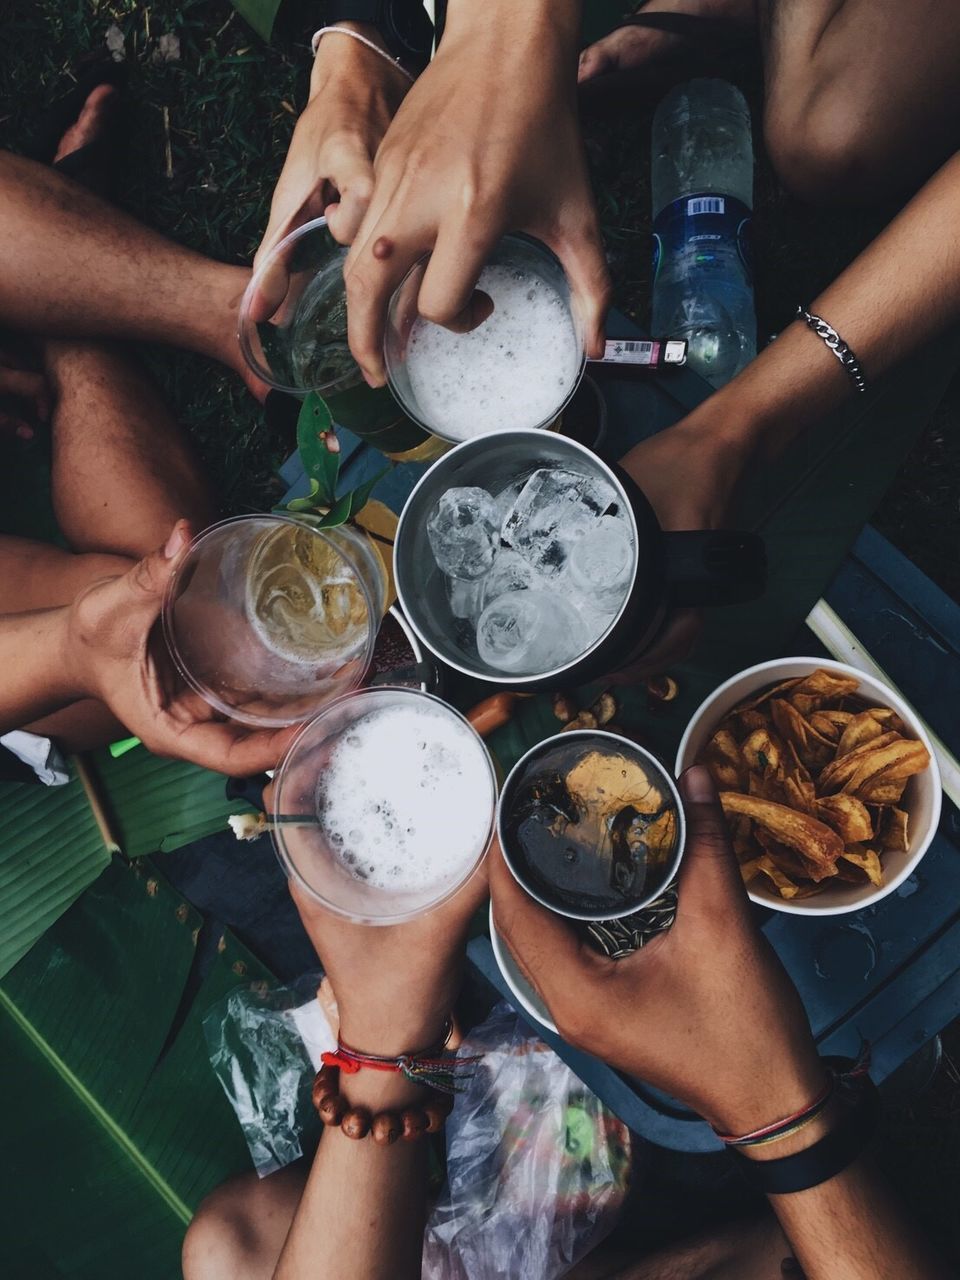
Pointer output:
529, 632
464, 533
600, 563
554, 508
466, 598
510, 572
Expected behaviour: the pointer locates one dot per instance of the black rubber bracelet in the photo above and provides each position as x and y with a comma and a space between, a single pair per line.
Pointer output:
825, 1159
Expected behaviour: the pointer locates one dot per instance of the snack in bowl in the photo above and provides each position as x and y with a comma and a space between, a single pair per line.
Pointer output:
811, 778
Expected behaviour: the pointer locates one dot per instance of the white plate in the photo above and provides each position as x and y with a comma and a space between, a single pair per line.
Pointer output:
524, 994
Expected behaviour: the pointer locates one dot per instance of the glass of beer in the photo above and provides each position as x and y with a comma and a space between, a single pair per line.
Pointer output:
269, 618
518, 368
591, 825
384, 805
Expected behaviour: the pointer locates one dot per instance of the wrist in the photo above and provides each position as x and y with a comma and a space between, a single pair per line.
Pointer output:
771, 1098
74, 652
340, 57
806, 1137
552, 22
391, 1037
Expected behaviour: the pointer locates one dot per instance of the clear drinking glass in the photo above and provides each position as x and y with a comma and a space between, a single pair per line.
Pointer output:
384, 805
293, 315
269, 618
516, 369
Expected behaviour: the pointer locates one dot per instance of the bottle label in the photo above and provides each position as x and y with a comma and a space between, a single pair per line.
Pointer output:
706, 221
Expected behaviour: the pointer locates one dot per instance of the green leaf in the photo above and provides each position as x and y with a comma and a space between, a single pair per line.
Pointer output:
306, 503
318, 462
260, 14
339, 513
360, 495
51, 851
120, 1127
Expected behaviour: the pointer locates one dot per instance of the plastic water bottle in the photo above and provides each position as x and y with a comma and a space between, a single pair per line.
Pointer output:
702, 201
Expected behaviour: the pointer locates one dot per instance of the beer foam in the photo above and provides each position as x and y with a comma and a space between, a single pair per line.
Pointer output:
514, 370
406, 798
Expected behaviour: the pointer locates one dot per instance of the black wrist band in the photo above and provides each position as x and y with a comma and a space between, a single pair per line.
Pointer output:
826, 1158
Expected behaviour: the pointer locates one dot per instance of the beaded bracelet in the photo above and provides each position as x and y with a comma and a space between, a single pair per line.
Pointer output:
385, 1127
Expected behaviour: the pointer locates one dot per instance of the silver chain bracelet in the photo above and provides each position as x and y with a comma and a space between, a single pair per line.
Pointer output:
837, 345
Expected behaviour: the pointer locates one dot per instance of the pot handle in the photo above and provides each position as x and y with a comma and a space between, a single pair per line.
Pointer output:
714, 566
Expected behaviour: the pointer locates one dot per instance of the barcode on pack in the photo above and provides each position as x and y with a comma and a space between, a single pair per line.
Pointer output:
705, 204
620, 351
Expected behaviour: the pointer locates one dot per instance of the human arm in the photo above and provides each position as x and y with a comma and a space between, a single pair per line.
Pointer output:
354, 94
706, 1012
487, 141
365, 1205
106, 645
901, 292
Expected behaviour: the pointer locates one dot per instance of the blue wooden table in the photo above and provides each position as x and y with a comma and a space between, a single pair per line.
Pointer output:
890, 973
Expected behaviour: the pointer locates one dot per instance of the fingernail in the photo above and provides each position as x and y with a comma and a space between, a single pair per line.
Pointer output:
697, 785
176, 541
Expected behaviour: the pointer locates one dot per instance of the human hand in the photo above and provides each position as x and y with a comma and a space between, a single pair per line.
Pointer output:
116, 654
354, 95
705, 1010
688, 473
394, 984
487, 141
24, 398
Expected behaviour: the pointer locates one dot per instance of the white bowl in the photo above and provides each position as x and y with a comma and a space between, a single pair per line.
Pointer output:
525, 996
921, 798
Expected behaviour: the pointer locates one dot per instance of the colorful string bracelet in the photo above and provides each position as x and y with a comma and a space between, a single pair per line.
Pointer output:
430, 1067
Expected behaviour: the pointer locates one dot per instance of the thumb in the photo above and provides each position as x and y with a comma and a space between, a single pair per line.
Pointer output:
709, 875
581, 253
147, 580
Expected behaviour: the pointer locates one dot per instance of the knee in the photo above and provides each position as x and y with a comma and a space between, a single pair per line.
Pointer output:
219, 1241
824, 149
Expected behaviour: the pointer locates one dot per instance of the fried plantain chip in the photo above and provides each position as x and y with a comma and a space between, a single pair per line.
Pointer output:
847, 815
722, 757
893, 830
864, 727
758, 699
790, 861
761, 750
818, 843
750, 870
838, 772
826, 684
746, 722
894, 762
813, 749
883, 792
786, 887
868, 860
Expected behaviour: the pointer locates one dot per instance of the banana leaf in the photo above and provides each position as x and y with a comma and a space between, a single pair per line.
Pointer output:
50, 852
158, 804
260, 14
115, 1126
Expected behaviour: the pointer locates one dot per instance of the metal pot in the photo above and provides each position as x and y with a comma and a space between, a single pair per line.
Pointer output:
702, 567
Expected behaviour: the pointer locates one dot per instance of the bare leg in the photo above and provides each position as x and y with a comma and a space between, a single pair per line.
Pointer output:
862, 96
123, 473
34, 575
240, 1228
73, 265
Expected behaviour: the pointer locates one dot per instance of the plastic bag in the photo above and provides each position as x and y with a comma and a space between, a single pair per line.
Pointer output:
265, 1044
537, 1167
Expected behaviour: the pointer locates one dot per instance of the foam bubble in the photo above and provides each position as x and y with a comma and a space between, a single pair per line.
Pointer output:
514, 370
406, 797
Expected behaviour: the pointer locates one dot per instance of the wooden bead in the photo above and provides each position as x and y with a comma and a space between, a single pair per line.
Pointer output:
436, 1114
414, 1123
356, 1123
332, 1109
325, 1085
386, 1128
